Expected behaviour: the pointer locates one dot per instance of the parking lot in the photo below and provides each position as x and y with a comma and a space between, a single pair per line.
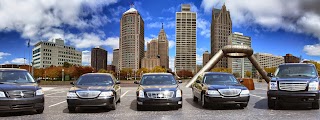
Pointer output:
56, 108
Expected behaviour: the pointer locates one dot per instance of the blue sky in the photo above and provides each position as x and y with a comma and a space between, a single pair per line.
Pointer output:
275, 26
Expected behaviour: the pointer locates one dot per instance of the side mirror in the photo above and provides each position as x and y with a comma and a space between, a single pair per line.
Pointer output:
198, 81
72, 83
136, 82
117, 82
270, 75
38, 81
241, 81
179, 81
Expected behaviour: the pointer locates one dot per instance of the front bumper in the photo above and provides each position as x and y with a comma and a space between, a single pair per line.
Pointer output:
21, 104
227, 100
294, 97
159, 102
90, 102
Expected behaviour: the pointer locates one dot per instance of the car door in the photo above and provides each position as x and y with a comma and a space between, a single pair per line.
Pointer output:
116, 87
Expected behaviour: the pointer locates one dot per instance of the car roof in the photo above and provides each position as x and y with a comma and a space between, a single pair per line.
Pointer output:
12, 69
157, 74
309, 64
92, 74
217, 73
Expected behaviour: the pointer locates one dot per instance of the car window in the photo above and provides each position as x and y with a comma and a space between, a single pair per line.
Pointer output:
95, 80
220, 79
296, 71
158, 80
16, 77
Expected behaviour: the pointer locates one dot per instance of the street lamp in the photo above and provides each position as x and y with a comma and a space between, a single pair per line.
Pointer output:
62, 74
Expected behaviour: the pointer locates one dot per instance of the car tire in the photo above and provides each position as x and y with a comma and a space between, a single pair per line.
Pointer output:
243, 105
113, 106
139, 107
71, 109
315, 105
271, 104
204, 103
40, 111
119, 100
195, 99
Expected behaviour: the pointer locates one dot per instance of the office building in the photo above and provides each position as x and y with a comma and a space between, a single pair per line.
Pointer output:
221, 28
152, 58
99, 58
54, 52
289, 58
131, 46
235, 63
205, 58
163, 49
115, 59
186, 31
268, 60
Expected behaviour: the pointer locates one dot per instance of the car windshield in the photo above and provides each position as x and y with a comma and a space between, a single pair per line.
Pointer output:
95, 80
220, 79
158, 80
288, 71
15, 77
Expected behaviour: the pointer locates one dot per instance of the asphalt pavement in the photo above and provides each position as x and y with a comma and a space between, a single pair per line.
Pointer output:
56, 109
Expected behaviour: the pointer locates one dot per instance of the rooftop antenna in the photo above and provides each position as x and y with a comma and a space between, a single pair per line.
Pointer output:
132, 5
162, 25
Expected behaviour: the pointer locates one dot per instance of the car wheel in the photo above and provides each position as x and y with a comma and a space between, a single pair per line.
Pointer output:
315, 105
195, 99
204, 103
113, 106
271, 104
71, 109
139, 107
40, 111
243, 105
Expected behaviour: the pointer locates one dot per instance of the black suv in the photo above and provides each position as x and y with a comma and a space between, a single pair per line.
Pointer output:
94, 90
294, 83
214, 88
158, 89
19, 91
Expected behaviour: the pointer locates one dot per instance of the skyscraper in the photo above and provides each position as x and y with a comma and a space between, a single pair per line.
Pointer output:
186, 29
205, 58
131, 40
151, 59
235, 63
99, 58
221, 28
163, 49
115, 59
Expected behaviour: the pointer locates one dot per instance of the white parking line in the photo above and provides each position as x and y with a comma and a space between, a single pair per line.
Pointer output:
260, 89
55, 93
124, 94
257, 96
47, 88
57, 104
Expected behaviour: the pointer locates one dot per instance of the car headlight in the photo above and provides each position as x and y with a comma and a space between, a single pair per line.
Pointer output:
106, 94
2, 94
72, 95
39, 92
313, 86
178, 93
273, 86
213, 93
141, 94
244, 93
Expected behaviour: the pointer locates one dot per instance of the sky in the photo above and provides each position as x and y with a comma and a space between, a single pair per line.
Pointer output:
275, 26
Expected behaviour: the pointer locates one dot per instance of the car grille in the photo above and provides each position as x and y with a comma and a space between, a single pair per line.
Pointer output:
88, 94
229, 92
292, 85
20, 94
160, 94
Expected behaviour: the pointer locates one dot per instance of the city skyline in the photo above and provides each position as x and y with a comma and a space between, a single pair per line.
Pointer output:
295, 38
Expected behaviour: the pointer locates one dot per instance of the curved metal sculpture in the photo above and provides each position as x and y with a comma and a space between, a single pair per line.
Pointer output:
232, 51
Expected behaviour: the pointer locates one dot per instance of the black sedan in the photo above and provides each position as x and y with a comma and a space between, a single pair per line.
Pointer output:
94, 90
158, 89
219, 88
19, 91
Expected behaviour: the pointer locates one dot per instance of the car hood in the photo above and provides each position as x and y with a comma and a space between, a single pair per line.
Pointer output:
85, 87
19, 86
236, 86
159, 87
296, 79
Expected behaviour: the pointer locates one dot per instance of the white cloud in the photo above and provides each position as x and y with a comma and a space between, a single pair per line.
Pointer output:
5, 62
171, 62
2, 54
88, 40
110, 58
19, 61
41, 19
86, 57
202, 50
312, 50
204, 27
208, 4
199, 59
171, 43
167, 24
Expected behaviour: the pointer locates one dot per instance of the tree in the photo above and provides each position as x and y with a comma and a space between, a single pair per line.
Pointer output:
270, 70
102, 71
237, 75
66, 65
142, 70
157, 69
219, 69
248, 74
